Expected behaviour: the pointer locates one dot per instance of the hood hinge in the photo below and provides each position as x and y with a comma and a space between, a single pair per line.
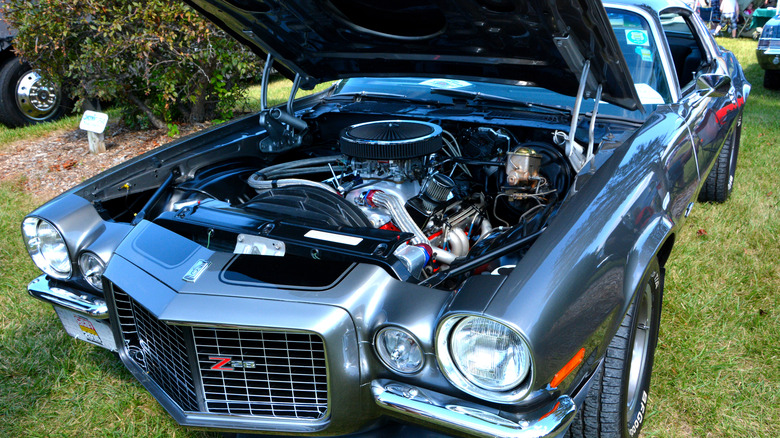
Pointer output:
285, 131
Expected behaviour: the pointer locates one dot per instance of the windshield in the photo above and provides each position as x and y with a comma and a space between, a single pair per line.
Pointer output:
642, 57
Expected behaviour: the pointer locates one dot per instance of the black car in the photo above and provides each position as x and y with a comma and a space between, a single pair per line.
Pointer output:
26, 97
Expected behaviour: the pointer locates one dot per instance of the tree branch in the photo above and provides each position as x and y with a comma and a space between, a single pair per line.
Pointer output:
156, 122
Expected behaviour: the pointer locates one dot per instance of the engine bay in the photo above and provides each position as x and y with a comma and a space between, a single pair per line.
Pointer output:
416, 197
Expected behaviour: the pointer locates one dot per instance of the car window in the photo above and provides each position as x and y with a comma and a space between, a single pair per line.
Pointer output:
685, 46
636, 41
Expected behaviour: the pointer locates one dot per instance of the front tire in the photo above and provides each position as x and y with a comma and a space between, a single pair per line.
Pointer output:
720, 182
772, 79
616, 404
26, 98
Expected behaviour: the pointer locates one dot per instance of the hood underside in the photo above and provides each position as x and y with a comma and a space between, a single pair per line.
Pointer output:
529, 42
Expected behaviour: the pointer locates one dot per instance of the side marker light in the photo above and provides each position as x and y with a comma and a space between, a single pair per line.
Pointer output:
568, 368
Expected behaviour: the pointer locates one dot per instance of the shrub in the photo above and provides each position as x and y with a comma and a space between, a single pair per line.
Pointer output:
159, 57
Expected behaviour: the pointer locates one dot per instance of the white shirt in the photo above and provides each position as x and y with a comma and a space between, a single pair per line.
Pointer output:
728, 6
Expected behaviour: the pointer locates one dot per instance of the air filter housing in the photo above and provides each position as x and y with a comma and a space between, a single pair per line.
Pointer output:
391, 139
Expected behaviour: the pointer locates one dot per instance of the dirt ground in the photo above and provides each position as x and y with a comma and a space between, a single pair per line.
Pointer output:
52, 164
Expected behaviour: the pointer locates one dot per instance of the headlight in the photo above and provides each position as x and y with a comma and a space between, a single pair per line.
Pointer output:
399, 350
490, 354
92, 268
484, 357
46, 247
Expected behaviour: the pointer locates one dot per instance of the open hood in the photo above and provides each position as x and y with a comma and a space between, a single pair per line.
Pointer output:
530, 42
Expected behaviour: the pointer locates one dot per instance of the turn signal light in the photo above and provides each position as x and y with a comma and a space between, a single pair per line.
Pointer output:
568, 368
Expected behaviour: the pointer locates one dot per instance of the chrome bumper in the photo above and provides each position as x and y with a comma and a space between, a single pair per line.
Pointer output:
79, 302
419, 405
413, 404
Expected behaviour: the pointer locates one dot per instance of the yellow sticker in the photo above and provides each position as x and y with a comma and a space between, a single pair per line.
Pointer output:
89, 330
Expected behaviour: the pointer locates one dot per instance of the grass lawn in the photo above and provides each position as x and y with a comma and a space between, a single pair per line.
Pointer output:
716, 369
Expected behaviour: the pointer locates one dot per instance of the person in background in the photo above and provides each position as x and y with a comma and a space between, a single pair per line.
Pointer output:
696, 5
728, 17
715, 16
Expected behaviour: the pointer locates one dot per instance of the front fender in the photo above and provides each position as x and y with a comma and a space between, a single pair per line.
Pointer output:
572, 288
649, 244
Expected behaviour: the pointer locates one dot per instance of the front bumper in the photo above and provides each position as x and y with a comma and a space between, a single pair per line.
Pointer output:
426, 407
768, 59
80, 302
358, 399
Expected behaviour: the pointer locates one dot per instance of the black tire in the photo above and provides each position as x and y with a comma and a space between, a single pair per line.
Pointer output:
772, 79
616, 404
720, 182
26, 98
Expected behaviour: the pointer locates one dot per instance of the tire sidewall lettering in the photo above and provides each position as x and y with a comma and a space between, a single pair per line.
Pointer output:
639, 418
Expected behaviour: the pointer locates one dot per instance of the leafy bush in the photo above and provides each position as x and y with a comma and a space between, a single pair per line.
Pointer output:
158, 57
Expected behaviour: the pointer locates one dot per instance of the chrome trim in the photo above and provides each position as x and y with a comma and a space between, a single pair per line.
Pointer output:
79, 302
50, 271
451, 371
422, 405
36, 97
387, 363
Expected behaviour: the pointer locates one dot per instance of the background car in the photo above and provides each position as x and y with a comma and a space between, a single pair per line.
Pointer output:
768, 53
467, 232
26, 97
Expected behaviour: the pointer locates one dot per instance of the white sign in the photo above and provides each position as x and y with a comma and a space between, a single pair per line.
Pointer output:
94, 122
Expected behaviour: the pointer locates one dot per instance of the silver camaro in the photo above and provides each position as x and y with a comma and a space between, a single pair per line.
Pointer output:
465, 234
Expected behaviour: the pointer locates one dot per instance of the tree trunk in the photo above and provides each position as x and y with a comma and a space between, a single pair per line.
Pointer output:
156, 122
198, 109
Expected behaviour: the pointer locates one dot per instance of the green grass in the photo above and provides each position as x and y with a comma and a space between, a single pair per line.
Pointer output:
51, 385
8, 135
716, 371
278, 93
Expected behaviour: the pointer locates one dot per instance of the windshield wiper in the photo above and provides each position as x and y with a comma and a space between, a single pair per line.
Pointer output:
357, 96
476, 96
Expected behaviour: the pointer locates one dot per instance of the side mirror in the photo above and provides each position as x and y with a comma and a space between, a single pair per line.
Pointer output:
713, 84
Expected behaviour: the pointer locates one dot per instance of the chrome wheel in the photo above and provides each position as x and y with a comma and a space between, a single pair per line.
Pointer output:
36, 97
640, 348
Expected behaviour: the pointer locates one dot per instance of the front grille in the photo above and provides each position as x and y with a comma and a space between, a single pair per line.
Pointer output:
159, 349
236, 372
270, 374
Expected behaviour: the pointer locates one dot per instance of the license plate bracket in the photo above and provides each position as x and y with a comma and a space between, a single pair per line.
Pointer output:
87, 329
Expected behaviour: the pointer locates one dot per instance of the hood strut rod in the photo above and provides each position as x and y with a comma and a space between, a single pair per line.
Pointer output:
269, 61
592, 128
573, 150
156, 196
